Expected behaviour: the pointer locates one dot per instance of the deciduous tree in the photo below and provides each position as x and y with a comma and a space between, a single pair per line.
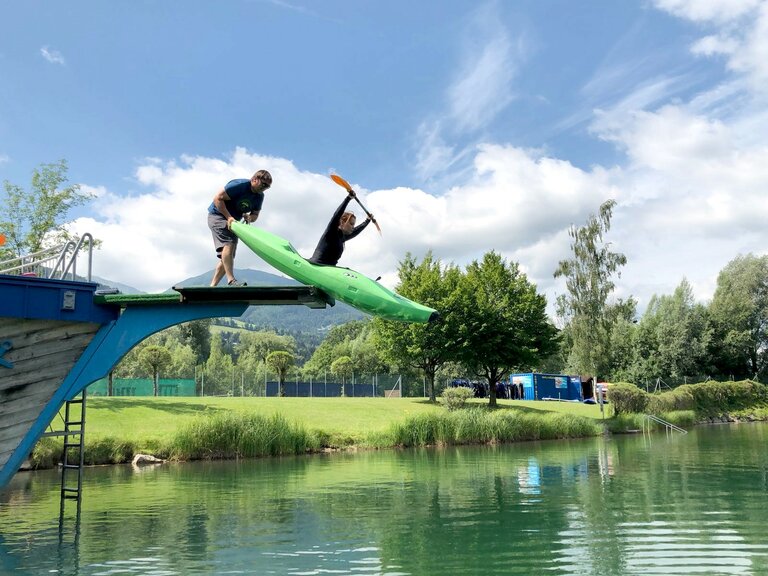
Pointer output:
281, 362
588, 279
739, 311
36, 219
422, 346
342, 367
155, 358
501, 322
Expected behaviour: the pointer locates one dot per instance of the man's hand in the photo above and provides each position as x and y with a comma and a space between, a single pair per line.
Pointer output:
370, 218
250, 217
351, 193
229, 222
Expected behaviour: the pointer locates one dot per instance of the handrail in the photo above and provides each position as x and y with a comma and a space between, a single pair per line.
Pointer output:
73, 261
65, 248
63, 257
668, 425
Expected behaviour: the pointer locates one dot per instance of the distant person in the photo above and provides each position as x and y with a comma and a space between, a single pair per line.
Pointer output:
239, 199
340, 229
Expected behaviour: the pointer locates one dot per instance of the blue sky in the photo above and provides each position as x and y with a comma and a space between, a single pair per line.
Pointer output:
466, 125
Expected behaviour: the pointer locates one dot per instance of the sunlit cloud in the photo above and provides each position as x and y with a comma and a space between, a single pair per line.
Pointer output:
741, 32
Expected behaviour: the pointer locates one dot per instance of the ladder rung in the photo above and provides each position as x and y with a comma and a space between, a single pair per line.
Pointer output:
71, 496
76, 401
70, 490
71, 466
71, 444
74, 423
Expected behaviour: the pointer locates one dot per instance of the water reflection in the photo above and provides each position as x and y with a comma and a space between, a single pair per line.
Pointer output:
634, 505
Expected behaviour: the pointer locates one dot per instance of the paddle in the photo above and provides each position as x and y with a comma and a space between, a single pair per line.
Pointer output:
344, 184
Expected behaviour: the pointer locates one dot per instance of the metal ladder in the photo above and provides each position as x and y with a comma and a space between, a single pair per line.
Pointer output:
72, 488
668, 426
73, 428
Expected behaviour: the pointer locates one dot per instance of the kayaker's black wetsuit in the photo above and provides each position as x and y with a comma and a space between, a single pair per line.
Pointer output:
331, 244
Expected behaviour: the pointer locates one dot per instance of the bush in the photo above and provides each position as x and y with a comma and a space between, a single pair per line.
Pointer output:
454, 398
714, 398
107, 450
46, 453
628, 398
680, 398
706, 399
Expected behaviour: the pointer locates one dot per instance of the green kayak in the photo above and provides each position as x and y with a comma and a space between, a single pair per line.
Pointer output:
341, 283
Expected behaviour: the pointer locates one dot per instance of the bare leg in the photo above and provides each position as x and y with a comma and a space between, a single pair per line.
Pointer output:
228, 260
218, 274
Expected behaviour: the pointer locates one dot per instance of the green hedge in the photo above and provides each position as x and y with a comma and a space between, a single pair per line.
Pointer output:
706, 399
628, 399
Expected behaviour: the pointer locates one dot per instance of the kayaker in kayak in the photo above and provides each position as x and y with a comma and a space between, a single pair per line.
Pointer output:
340, 229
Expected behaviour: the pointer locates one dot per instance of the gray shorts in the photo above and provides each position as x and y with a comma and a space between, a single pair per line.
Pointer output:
221, 234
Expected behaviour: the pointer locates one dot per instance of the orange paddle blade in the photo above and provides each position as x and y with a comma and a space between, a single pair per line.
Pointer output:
341, 182
2, 239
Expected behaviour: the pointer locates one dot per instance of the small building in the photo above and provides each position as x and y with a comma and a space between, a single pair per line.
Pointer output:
547, 386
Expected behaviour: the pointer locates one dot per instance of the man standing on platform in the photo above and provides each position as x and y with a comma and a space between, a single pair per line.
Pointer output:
238, 199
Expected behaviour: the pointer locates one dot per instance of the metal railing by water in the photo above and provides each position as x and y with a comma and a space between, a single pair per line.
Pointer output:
58, 262
668, 426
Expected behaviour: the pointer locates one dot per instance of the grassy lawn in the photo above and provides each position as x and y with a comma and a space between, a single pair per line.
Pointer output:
145, 417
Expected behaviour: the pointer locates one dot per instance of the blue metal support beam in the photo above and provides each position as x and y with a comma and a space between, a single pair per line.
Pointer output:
113, 341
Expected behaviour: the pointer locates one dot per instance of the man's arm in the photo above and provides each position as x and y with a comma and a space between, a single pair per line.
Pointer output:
219, 201
252, 216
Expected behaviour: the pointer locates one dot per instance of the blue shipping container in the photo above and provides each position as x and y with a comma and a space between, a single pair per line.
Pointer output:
548, 386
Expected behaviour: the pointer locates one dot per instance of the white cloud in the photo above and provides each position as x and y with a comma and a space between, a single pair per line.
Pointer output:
53, 56
741, 32
481, 88
717, 11
714, 45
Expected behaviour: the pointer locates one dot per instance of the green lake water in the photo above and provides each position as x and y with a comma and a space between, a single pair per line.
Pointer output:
677, 504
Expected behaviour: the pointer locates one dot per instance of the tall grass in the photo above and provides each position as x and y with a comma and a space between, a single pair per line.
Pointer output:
480, 426
48, 452
632, 422
240, 435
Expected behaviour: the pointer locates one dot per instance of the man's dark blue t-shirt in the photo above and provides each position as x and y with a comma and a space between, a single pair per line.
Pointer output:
241, 199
